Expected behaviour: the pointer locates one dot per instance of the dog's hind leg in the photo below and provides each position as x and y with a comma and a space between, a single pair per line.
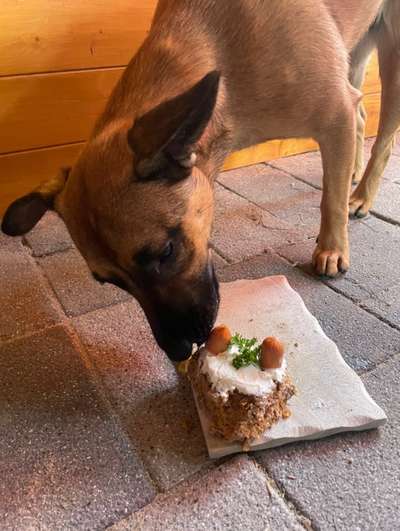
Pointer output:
337, 144
359, 61
388, 40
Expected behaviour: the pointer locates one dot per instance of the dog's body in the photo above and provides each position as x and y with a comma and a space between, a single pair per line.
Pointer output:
139, 201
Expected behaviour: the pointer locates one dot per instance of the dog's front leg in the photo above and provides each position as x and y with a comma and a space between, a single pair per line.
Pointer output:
337, 145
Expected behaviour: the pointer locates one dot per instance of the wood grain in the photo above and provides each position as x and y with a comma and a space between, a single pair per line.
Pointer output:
54, 35
52, 109
20, 173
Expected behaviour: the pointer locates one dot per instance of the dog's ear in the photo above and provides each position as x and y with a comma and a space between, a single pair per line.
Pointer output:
23, 214
164, 139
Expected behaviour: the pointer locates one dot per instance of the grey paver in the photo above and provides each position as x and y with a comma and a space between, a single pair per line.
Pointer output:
49, 236
348, 482
396, 147
7, 243
307, 167
363, 340
242, 229
218, 261
374, 253
387, 202
26, 300
144, 387
237, 495
74, 286
278, 193
386, 304
65, 464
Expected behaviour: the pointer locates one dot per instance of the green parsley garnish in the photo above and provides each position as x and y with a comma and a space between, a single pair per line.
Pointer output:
249, 351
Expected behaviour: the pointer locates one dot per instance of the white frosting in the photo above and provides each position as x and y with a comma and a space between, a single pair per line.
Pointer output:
250, 380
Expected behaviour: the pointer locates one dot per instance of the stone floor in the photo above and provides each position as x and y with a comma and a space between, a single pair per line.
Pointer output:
97, 430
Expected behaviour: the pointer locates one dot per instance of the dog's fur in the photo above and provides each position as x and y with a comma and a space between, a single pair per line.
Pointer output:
210, 78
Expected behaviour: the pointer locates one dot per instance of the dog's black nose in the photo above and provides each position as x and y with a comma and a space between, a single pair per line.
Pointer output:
178, 350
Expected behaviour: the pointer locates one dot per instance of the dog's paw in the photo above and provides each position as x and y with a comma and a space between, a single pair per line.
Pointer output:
329, 263
358, 205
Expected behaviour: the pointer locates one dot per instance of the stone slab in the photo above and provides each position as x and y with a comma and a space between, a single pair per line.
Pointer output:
74, 285
363, 340
65, 463
348, 482
236, 495
330, 397
154, 401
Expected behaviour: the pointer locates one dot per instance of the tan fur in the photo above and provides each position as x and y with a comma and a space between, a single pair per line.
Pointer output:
387, 39
285, 73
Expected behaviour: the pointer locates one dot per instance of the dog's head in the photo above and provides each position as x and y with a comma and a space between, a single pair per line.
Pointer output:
140, 210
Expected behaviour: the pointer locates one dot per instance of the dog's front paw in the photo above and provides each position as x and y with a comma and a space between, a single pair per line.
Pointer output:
330, 262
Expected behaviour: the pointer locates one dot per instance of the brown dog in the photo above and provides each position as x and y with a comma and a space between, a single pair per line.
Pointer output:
213, 77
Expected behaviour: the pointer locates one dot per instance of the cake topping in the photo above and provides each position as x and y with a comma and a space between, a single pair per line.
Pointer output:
272, 352
247, 351
238, 366
219, 340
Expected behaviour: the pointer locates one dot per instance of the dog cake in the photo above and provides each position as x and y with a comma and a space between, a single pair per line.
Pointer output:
242, 386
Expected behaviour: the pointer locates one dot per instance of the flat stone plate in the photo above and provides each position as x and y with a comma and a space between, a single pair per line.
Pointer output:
331, 397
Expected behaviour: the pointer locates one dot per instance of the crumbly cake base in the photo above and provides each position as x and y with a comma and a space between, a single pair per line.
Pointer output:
240, 417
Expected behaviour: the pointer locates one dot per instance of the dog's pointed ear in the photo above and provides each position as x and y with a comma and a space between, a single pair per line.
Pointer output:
164, 139
23, 214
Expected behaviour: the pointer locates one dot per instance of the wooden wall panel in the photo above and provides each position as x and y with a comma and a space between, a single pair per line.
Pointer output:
20, 173
52, 109
54, 35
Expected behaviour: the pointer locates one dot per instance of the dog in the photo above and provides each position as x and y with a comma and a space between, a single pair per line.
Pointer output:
212, 77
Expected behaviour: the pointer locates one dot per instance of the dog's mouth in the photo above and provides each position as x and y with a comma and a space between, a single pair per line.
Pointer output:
177, 328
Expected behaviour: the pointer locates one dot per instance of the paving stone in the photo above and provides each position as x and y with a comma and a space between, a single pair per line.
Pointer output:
237, 495
7, 243
350, 481
65, 464
218, 261
386, 304
155, 402
392, 170
387, 202
307, 167
242, 229
396, 147
363, 340
278, 193
27, 303
374, 251
74, 285
49, 236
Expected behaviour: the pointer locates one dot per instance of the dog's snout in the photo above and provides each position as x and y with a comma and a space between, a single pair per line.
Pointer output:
186, 318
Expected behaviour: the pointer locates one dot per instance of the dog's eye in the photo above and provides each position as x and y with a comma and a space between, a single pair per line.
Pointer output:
166, 253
